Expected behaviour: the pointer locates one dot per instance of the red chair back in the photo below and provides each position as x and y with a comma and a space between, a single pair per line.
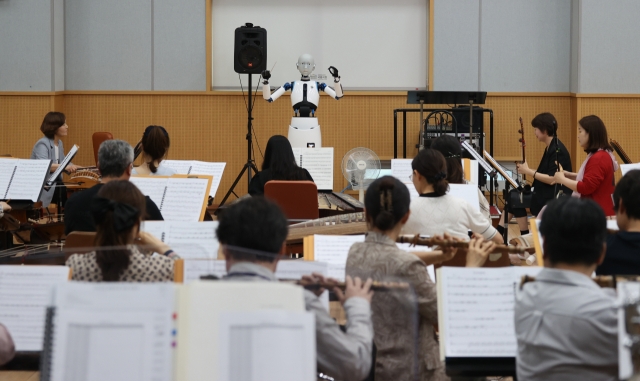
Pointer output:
98, 138
298, 199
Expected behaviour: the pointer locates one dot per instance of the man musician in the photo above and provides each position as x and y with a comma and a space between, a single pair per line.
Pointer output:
544, 188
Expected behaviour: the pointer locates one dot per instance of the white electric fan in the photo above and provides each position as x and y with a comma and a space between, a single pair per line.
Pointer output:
360, 167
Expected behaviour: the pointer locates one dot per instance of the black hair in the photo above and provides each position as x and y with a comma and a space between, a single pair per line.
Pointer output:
574, 231
432, 165
451, 149
51, 122
155, 143
255, 223
597, 131
545, 122
278, 157
628, 190
387, 200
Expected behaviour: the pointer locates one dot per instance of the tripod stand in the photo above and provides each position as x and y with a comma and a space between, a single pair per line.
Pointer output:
250, 164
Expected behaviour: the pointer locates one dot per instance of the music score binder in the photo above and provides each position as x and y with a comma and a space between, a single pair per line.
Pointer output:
66, 161
23, 179
195, 167
178, 197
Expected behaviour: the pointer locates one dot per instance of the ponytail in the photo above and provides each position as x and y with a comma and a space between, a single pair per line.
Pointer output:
431, 164
155, 143
387, 201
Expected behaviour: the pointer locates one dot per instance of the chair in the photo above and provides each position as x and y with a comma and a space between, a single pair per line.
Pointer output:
98, 138
82, 241
298, 199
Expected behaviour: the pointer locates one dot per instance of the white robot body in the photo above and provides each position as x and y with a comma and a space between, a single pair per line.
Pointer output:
305, 93
305, 133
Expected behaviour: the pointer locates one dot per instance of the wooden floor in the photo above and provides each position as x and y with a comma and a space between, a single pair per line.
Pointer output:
10, 375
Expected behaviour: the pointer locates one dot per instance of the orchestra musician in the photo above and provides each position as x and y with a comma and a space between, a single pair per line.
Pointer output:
279, 164
451, 149
155, 147
545, 128
387, 204
595, 179
115, 162
435, 212
623, 247
259, 225
566, 325
117, 210
50, 147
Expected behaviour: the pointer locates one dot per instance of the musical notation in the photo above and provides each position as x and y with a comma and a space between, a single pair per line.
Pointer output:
319, 163
333, 250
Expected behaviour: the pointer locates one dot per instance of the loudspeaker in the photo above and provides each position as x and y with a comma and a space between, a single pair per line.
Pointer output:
250, 50
462, 117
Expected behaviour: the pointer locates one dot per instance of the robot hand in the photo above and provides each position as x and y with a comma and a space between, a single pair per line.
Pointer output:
266, 74
334, 72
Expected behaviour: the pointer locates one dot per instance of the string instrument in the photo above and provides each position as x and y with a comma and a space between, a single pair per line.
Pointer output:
417, 240
605, 281
85, 178
623, 155
375, 286
523, 144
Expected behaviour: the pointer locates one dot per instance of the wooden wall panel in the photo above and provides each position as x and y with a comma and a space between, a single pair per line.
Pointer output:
212, 127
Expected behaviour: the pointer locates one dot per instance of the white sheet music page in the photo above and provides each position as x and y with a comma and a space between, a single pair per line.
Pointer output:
477, 310
28, 179
628, 167
184, 199
63, 164
467, 192
194, 268
333, 250
6, 172
25, 292
156, 228
154, 187
207, 168
319, 163
188, 239
401, 170
113, 331
182, 167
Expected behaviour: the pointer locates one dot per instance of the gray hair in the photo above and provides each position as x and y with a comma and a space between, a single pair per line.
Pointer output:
114, 157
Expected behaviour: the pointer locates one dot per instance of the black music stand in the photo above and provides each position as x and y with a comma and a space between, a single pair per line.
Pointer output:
423, 97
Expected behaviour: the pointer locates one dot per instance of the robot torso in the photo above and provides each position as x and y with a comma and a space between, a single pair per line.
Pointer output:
305, 96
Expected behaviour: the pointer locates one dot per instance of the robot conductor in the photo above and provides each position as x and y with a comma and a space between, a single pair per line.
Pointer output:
304, 130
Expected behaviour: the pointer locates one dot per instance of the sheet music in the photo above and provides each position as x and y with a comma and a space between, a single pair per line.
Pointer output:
401, 170
153, 187
627, 292
473, 170
28, 180
194, 167
184, 199
319, 163
467, 192
63, 164
6, 171
333, 250
195, 268
477, 313
187, 239
204, 248
25, 292
628, 167
283, 332
113, 331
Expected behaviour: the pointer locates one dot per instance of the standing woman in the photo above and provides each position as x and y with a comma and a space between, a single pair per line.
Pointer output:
403, 354
279, 164
50, 147
595, 179
154, 146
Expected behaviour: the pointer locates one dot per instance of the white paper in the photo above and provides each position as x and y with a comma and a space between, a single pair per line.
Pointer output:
194, 167
25, 292
628, 167
205, 248
333, 250
627, 292
467, 192
154, 187
113, 331
195, 268
401, 170
612, 225
27, 180
319, 163
63, 164
187, 239
244, 336
477, 311
474, 170
179, 199
6, 171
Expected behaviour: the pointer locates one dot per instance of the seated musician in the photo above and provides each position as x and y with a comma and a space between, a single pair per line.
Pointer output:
623, 247
7, 348
4, 207
451, 149
566, 325
115, 158
155, 147
259, 224
279, 164
50, 147
387, 210
117, 210
435, 212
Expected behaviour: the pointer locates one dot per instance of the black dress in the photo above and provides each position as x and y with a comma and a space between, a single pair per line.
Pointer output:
256, 187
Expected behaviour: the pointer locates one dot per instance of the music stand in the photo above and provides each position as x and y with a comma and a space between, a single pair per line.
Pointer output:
423, 97
508, 181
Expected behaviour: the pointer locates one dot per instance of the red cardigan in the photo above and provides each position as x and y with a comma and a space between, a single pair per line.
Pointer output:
598, 181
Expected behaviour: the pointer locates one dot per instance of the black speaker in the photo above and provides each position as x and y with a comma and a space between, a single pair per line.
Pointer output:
462, 117
250, 50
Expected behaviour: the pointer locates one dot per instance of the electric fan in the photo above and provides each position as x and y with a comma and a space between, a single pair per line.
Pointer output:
360, 167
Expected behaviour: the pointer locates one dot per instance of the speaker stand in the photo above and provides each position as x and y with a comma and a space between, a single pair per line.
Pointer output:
250, 164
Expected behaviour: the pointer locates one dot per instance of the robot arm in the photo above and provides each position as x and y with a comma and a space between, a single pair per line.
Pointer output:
266, 90
337, 93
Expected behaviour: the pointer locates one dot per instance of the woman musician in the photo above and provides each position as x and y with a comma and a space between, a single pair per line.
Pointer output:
544, 185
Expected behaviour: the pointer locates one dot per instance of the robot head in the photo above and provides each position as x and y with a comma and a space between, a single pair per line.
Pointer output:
306, 64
